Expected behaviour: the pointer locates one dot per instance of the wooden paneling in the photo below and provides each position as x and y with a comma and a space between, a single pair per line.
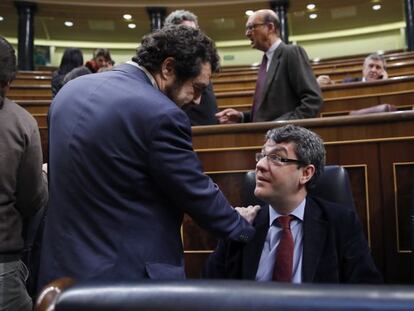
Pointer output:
397, 167
41, 119
34, 106
247, 81
380, 87
397, 66
36, 80
30, 92
34, 73
367, 146
340, 98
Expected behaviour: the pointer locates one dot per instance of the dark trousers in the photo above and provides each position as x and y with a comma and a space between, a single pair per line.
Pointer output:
13, 294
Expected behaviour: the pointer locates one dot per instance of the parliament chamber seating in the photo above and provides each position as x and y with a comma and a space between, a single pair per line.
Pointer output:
334, 63
376, 150
397, 64
342, 98
224, 295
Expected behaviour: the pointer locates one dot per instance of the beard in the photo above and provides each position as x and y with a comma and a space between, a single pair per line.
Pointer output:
173, 92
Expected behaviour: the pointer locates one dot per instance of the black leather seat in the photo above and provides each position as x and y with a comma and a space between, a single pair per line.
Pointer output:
333, 185
207, 295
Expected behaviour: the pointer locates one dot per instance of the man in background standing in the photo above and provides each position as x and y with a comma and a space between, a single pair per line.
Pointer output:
286, 87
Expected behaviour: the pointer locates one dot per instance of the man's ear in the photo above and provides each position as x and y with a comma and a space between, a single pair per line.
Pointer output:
167, 68
307, 173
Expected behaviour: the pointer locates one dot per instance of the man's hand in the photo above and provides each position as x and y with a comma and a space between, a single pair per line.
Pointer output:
228, 116
249, 213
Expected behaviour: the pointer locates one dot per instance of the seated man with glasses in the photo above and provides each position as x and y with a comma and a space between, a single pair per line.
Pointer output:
299, 238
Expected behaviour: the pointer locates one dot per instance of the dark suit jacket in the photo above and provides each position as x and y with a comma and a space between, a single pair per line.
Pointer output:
352, 79
334, 248
122, 173
204, 113
291, 90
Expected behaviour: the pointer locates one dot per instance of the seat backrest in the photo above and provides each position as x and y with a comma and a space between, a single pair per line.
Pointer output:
215, 295
333, 185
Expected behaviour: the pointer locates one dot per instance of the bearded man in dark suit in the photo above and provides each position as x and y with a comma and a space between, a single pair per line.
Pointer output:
122, 168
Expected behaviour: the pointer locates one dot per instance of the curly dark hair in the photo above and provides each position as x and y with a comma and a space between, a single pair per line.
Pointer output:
7, 66
308, 147
189, 47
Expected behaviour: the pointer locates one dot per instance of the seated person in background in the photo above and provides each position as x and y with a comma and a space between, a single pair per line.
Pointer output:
286, 86
23, 188
77, 72
325, 241
101, 58
324, 80
72, 58
204, 113
374, 69
109, 66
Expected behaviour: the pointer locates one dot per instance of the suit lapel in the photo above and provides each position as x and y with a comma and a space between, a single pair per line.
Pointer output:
253, 250
314, 237
274, 64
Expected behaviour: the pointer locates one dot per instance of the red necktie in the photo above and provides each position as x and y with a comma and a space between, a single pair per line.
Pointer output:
261, 77
282, 272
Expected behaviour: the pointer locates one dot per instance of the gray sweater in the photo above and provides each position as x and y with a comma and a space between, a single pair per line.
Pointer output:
23, 188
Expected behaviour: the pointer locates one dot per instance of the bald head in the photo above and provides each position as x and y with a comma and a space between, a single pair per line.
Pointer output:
262, 28
270, 17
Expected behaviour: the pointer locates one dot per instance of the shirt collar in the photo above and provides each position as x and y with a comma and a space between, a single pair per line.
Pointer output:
147, 73
298, 212
269, 53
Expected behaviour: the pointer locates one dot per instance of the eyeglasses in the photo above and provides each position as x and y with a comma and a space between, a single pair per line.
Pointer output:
254, 26
277, 160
